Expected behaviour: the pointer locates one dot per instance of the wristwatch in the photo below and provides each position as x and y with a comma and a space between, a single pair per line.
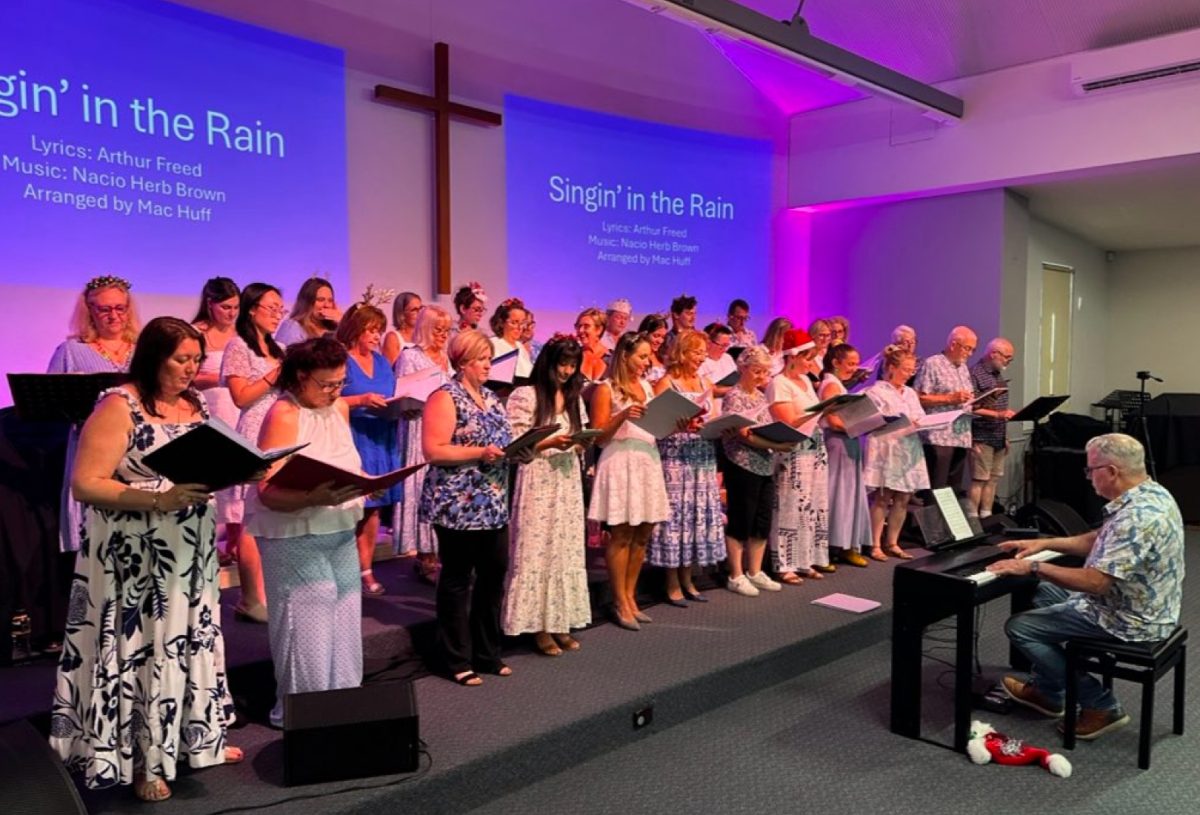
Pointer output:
1035, 567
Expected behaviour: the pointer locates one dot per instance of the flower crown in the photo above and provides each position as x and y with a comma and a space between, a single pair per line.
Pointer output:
560, 336
107, 281
377, 297
477, 289
513, 302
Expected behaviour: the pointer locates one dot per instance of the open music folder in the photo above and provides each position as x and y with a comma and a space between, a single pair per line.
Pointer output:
213, 454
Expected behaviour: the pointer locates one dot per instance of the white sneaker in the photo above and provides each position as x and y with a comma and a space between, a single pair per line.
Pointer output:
761, 581
742, 585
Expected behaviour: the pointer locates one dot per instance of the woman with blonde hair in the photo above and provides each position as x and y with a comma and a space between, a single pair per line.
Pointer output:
895, 467
314, 314
773, 340
103, 330
589, 328
629, 494
694, 534
430, 338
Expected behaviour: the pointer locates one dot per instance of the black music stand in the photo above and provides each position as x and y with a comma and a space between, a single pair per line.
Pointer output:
1034, 412
59, 397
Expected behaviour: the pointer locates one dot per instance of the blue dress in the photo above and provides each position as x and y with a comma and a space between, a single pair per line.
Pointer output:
377, 439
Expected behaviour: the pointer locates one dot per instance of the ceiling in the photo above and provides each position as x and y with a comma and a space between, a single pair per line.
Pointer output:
1147, 205
612, 46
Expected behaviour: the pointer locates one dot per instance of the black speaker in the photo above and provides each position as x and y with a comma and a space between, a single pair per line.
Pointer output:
351, 733
33, 780
1053, 517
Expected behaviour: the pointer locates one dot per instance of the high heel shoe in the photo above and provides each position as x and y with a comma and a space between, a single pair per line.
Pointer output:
642, 617
628, 623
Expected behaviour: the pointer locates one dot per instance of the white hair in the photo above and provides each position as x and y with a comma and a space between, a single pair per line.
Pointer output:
899, 331
997, 343
1120, 450
960, 332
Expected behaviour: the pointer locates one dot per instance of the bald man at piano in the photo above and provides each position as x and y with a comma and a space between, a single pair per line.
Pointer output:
1129, 588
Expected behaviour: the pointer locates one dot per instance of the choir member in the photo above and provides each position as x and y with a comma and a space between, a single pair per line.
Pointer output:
314, 314
141, 681
370, 382
822, 335
103, 330
849, 517
465, 498
989, 425
546, 592
250, 369
749, 487
738, 314
470, 303
405, 310
589, 328
528, 332
616, 320
773, 340
895, 466
216, 319
306, 537
839, 328
507, 323
431, 337
943, 384
654, 327
718, 364
629, 494
800, 525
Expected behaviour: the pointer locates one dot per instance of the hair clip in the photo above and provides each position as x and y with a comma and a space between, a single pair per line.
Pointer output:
107, 281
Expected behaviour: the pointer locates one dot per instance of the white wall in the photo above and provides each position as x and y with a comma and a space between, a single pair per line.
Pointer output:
1021, 123
1090, 324
932, 263
1153, 300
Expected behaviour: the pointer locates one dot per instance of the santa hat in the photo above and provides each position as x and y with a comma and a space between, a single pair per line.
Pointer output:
797, 341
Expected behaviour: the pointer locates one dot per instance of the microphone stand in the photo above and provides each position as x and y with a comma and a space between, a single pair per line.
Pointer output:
1143, 376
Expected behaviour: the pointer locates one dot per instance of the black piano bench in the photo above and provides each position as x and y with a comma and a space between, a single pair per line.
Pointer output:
1141, 662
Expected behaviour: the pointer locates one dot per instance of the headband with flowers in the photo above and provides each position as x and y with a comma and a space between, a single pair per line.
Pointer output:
377, 297
107, 281
477, 289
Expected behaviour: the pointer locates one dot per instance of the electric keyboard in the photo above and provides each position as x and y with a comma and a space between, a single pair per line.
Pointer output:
982, 577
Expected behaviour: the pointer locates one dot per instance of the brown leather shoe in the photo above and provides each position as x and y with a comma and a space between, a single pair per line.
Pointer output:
1024, 693
854, 558
1093, 723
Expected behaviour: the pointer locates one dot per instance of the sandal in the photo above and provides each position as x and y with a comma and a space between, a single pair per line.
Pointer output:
500, 669
896, 551
877, 554
151, 790
468, 679
567, 642
545, 644
813, 574
371, 586
791, 579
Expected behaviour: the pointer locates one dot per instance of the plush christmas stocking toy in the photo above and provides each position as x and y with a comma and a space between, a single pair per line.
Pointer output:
987, 745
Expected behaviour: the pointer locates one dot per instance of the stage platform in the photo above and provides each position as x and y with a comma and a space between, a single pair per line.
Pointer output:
552, 713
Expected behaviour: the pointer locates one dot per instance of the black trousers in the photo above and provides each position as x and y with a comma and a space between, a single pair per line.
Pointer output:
947, 467
468, 620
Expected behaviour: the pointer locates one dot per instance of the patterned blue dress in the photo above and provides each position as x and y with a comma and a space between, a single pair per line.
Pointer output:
695, 532
377, 439
141, 681
473, 496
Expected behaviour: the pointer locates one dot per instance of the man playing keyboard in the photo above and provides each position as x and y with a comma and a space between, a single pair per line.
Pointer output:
1128, 589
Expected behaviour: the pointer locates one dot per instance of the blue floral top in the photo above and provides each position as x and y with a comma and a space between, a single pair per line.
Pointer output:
1141, 545
472, 495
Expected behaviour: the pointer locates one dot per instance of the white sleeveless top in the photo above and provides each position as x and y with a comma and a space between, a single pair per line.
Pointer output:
329, 440
629, 430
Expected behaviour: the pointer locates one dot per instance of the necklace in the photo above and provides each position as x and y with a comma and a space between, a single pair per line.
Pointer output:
117, 358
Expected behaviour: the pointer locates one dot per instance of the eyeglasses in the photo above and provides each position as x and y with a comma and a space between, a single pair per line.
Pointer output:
330, 387
1087, 471
441, 332
105, 311
271, 309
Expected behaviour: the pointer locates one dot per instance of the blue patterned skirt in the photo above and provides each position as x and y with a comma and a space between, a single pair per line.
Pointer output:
695, 532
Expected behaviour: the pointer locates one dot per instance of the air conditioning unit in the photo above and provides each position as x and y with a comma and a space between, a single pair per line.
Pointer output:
1172, 58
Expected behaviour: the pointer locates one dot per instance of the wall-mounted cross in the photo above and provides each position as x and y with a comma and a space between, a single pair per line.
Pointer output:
443, 110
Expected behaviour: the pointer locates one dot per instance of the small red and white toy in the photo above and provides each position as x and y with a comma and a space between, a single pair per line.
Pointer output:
987, 745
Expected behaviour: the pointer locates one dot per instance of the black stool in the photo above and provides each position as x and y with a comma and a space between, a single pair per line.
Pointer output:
1141, 662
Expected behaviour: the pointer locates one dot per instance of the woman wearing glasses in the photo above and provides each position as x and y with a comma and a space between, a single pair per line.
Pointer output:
104, 328
250, 369
309, 558
370, 382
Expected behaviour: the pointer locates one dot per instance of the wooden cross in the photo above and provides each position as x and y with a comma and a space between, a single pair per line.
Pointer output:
443, 109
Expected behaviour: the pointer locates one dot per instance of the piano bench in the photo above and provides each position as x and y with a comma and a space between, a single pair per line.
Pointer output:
1141, 662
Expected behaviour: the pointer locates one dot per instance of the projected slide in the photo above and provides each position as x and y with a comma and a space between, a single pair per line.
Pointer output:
167, 146
601, 206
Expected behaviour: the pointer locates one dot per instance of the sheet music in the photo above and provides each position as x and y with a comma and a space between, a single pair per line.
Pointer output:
664, 411
860, 416
504, 368
986, 395
420, 384
952, 511
714, 428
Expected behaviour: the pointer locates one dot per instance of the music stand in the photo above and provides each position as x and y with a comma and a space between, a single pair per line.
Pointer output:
59, 397
1034, 412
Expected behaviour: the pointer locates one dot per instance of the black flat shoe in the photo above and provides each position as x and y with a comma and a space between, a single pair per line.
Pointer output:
695, 596
678, 603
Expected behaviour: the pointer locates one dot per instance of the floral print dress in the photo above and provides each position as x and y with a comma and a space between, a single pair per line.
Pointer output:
141, 681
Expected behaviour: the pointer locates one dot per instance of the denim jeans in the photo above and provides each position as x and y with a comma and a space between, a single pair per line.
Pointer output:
1041, 635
